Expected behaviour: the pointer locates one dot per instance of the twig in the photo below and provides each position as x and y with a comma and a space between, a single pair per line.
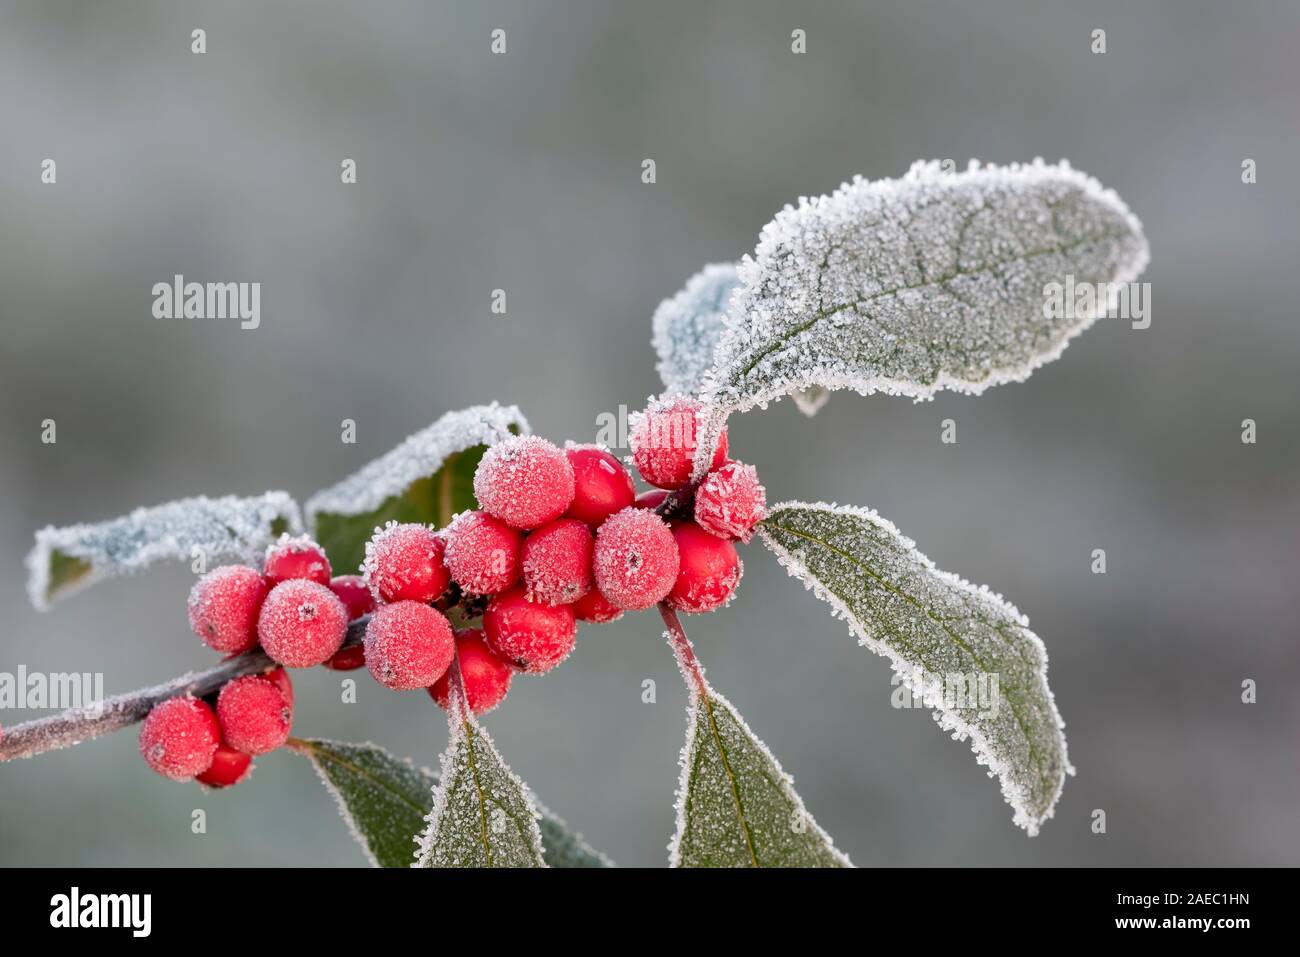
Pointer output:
681, 646
81, 724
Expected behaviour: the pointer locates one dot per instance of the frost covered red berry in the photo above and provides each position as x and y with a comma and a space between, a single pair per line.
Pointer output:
601, 485
224, 605
408, 645
731, 501
229, 767
302, 623
709, 570
298, 557
561, 536
405, 563
532, 636
355, 594
595, 607
524, 481
557, 562
664, 442
255, 715
635, 560
485, 675
180, 737
482, 553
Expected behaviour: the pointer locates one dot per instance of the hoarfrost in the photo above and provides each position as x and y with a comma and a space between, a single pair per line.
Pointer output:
384, 799
932, 625
735, 805
934, 281
67, 559
483, 814
687, 326
419, 456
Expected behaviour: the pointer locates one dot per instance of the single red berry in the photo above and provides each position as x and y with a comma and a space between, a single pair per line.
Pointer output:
302, 623
223, 608
348, 659
651, 499
482, 553
524, 481
486, 677
730, 502
532, 636
601, 485
663, 442
355, 594
408, 645
710, 570
404, 563
594, 606
255, 715
635, 561
296, 558
229, 766
557, 562
281, 679
179, 738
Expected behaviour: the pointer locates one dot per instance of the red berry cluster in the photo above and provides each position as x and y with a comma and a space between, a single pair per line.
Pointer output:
561, 536
299, 615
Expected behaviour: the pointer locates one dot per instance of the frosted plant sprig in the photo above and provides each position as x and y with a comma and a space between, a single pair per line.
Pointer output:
484, 545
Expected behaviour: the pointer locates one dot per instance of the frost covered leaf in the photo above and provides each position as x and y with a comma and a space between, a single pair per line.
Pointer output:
385, 800
67, 559
483, 815
934, 281
687, 327
426, 479
963, 650
735, 806
382, 798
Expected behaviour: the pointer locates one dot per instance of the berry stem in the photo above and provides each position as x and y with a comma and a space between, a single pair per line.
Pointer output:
682, 648
76, 725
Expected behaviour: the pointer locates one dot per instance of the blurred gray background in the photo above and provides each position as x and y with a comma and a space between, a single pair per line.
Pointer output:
522, 172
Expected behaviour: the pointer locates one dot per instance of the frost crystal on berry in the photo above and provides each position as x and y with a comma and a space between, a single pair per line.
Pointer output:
223, 607
524, 481
302, 623
405, 563
557, 562
731, 502
635, 560
179, 737
532, 636
254, 713
296, 556
408, 645
664, 440
482, 553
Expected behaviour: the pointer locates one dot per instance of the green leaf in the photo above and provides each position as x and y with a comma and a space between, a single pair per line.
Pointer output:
687, 327
935, 281
67, 559
385, 800
961, 650
426, 479
483, 815
735, 806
